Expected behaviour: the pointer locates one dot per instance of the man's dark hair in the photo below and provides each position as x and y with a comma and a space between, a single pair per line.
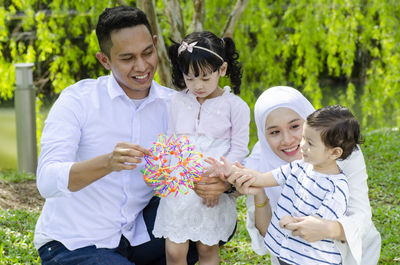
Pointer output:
118, 18
338, 127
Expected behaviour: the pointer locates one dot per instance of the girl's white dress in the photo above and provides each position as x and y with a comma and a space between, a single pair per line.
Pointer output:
220, 126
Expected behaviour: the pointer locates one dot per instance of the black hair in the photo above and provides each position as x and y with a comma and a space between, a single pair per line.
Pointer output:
204, 61
118, 18
338, 126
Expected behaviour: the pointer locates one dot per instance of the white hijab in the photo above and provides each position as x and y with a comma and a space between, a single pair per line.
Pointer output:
262, 157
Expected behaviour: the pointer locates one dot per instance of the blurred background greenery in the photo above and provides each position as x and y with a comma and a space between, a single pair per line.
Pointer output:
8, 143
334, 51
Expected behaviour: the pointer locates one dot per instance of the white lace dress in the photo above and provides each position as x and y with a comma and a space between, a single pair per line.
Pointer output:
184, 217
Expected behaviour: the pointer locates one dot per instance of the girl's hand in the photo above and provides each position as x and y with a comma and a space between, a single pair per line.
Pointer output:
219, 169
310, 228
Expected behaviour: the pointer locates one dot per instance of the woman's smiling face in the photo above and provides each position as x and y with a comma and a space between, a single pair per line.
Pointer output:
283, 131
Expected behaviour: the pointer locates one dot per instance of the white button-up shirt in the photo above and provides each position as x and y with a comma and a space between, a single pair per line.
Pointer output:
89, 119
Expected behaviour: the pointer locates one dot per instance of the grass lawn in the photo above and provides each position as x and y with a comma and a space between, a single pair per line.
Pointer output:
381, 151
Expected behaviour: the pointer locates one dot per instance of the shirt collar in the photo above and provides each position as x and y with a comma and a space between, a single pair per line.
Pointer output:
115, 90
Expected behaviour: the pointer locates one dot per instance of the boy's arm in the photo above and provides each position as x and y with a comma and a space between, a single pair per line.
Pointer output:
226, 171
265, 179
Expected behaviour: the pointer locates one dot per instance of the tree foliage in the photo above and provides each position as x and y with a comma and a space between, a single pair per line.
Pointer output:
335, 51
345, 50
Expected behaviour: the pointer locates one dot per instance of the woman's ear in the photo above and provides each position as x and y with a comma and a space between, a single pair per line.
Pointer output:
223, 68
103, 59
336, 153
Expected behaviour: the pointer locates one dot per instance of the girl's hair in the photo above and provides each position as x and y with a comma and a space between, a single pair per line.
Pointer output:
338, 127
205, 60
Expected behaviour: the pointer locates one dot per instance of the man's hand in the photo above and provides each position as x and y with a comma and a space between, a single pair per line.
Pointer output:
126, 156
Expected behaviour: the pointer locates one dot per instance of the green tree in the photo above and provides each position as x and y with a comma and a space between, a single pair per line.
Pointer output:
346, 51
335, 51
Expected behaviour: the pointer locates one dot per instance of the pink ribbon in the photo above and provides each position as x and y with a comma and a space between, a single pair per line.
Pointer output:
186, 47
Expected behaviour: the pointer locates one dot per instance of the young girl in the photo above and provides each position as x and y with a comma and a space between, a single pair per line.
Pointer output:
217, 122
314, 185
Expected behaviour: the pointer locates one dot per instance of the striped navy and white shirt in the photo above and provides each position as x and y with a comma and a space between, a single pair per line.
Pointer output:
306, 192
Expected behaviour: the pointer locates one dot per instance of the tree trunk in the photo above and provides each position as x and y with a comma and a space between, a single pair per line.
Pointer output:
233, 17
198, 15
174, 14
164, 69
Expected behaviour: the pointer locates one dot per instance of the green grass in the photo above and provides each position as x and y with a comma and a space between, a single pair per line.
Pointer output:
12, 175
381, 151
8, 139
16, 237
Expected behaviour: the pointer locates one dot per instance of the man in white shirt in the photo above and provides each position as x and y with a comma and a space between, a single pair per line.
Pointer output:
91, 154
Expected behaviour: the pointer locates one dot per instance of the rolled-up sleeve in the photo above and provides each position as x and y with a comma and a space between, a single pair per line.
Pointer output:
357, 220
59, 144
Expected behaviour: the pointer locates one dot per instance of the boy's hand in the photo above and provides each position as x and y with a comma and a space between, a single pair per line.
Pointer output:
243, 183
237, 172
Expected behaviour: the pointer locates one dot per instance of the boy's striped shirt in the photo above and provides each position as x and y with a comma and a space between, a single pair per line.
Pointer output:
306, 192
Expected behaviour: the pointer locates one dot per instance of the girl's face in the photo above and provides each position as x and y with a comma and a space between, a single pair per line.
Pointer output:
205, 86
283, 131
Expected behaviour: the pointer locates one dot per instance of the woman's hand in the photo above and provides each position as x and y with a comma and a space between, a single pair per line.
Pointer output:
262, 211
314, 228
285, 220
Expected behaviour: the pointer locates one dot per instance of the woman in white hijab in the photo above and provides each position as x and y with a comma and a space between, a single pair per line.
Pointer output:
279, 114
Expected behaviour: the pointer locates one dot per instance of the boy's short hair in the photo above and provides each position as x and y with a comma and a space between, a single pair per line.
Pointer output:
338, 127
118, 18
